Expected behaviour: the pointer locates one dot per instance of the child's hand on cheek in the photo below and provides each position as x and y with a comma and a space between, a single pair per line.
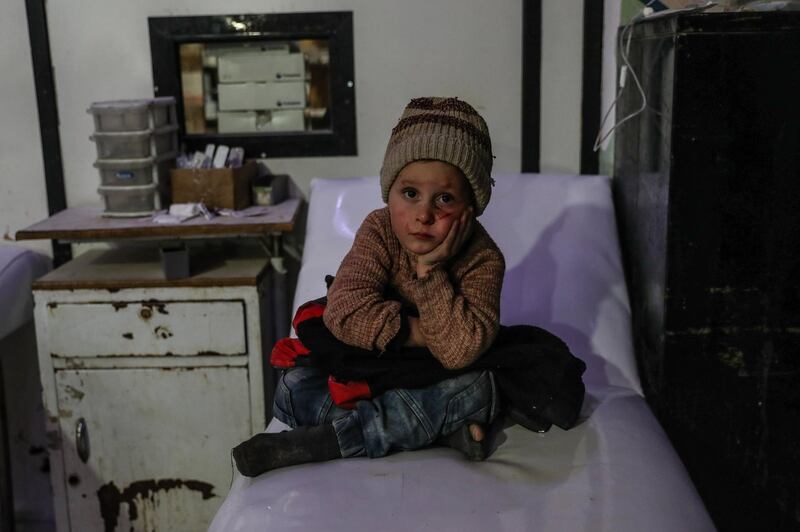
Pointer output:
459, 232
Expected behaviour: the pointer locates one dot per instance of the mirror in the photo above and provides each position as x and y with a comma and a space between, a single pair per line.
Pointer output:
279, 85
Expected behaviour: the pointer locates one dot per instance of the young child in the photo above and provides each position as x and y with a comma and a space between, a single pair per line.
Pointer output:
422, 272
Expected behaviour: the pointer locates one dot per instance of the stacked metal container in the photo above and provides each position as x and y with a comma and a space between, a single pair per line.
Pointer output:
137, 143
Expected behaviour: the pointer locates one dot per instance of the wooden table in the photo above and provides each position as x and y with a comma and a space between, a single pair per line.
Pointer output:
87, 223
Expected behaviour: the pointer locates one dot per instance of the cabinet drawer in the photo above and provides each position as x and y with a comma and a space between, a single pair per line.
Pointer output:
146, 328
248, 96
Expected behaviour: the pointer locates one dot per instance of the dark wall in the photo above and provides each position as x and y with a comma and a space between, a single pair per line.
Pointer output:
707, 184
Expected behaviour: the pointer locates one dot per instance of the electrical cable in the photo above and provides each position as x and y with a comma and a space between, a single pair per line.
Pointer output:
624, 48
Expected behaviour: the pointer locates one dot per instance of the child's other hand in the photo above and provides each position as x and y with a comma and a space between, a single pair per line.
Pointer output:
415, 336
459, 232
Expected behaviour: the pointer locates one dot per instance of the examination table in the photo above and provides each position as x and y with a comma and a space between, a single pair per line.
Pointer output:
21, 421
614, 471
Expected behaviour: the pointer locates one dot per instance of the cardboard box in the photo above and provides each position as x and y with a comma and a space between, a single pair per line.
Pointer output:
219, 188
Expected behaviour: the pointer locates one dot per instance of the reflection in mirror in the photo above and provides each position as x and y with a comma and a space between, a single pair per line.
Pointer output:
255, 86
275, 84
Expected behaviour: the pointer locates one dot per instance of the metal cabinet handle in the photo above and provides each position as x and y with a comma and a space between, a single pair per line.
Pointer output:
82, 440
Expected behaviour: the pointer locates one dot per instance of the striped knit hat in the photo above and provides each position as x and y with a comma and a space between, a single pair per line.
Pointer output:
442, 129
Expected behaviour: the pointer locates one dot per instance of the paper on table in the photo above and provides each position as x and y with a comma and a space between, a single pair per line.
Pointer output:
178, 212
253, 210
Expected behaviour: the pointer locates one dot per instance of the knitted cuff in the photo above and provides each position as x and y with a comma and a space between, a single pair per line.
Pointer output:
428, 286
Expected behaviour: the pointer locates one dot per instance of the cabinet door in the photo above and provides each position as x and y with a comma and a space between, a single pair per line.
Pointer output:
159, 443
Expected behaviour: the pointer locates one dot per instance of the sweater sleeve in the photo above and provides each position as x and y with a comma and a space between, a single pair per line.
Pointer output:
357, 313
460, 322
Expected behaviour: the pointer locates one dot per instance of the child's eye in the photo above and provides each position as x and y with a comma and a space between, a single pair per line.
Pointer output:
446, 199
409, 193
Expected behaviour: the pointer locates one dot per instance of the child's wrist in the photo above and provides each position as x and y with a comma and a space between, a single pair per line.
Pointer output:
424, 268
415, 336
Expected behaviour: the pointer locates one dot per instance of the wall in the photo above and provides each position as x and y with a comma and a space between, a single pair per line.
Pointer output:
562, 52
22, 188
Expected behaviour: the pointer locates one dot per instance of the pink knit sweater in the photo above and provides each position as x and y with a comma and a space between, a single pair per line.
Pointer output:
458, 302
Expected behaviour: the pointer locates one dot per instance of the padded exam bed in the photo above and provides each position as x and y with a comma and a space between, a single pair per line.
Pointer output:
614, 471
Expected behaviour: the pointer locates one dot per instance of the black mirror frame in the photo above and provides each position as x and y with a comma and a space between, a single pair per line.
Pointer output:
167, 33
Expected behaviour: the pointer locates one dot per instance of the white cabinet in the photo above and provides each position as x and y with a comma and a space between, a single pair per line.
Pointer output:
247, 96
255, 121
148, 384
255, 65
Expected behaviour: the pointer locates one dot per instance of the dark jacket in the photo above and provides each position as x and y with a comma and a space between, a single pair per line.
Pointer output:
539, 380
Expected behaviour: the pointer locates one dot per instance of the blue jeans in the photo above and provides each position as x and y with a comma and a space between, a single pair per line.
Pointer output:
400, 419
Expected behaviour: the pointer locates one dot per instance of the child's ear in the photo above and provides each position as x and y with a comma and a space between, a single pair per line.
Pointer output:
472, 203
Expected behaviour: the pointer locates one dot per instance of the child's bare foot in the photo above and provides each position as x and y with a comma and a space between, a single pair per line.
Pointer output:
470, 440
477, 432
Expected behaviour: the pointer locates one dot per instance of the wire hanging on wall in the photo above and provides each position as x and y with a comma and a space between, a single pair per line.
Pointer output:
623, 44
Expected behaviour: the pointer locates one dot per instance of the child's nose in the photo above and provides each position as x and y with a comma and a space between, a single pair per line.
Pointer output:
425, 214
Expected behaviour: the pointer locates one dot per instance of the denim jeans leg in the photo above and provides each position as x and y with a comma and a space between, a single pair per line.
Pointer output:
406, 419
400, 419
302, 399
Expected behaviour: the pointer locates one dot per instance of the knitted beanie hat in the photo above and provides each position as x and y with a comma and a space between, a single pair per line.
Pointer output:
442, 129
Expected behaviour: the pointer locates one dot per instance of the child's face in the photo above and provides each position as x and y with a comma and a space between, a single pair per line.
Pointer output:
424, 201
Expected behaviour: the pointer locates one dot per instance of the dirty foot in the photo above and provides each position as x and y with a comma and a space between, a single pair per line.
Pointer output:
470, 440
477, 432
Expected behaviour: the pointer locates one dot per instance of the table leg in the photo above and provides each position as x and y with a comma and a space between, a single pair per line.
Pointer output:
280, 294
